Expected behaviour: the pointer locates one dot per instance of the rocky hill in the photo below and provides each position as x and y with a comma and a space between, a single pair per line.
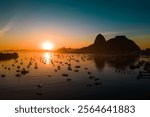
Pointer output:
119, 44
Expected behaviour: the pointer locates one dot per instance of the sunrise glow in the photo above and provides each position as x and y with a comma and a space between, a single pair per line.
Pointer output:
47, 46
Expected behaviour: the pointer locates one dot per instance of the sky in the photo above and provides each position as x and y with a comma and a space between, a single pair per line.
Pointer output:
26, 24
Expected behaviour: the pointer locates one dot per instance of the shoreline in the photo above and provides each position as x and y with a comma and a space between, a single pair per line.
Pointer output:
7, 56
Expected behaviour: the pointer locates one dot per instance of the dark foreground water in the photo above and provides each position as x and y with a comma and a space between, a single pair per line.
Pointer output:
44, 75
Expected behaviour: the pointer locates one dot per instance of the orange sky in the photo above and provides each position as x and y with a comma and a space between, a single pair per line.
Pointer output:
34, 40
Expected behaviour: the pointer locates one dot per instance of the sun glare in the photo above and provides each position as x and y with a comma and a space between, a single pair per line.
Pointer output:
47, 46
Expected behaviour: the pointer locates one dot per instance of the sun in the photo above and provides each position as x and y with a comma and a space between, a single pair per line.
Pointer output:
47, 46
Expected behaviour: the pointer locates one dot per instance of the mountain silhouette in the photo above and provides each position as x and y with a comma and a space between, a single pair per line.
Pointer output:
119, 44
99, 45
122, 44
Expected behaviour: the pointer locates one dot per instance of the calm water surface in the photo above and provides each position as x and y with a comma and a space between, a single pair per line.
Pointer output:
45, 75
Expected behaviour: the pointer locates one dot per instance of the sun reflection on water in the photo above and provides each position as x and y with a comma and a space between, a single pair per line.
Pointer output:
47, 57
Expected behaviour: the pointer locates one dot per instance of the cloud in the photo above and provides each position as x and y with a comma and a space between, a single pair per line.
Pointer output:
110, 33
129, 32
6, 28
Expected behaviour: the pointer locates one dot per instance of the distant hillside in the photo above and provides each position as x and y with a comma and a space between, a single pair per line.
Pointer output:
7, 56
119, 44
146, 52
